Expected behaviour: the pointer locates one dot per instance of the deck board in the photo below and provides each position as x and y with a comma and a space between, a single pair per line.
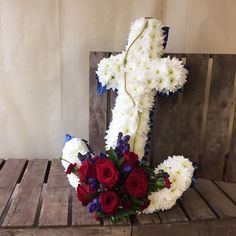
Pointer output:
218, 201
80, 214
228, 188
9, 175
195, 206
54, 210
24, 205
173, 215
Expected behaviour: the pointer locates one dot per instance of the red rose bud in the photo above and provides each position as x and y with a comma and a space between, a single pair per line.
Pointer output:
136, 183
85, 194
109, 202
86, 170
167, 182
131, 159
70, 168
107, 174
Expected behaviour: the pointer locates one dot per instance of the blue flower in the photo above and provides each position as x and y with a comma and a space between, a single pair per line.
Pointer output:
67, 138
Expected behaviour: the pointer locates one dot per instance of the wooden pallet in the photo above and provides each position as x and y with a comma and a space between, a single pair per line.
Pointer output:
36, 199
199, 123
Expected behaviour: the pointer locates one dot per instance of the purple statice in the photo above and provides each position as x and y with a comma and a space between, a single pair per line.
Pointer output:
94, 205
93, 183
122, 144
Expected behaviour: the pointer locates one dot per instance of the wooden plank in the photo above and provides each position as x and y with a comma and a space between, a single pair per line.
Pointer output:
69, 231
220, 204
97, 106
192, 108
194, 228
195, 206
24, 205
229, 189
145, 219
80, 214
56, 199
173, 215
218, 116
163, 143
9, 176
230, 174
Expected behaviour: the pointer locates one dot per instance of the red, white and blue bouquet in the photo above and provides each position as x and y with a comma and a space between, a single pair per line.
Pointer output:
115, 184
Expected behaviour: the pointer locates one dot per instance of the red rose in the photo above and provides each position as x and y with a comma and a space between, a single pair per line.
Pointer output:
131, 159
109, 202
85, 194
86, 170
136, 183
70, 168
96, 217
107, 174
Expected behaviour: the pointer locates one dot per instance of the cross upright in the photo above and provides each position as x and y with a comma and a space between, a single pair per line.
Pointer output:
137, 74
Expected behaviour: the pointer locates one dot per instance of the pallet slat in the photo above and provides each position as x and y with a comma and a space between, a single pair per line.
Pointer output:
195, 206
24, 205
221, 91
145, 219
97, 106
173, 215
163, 143
80, 214
218, 201
228, 188
9, 176
191, 111
54, 210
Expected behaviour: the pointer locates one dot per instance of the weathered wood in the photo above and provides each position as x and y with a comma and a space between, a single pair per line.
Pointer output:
218, 116
9, 176
145, 219
230, 174
163, 142
175, 214
195, 206
194, 228
69, 231
54, 210
25, 202
229, 189
80, 214
220, 204
192, 107
97, 106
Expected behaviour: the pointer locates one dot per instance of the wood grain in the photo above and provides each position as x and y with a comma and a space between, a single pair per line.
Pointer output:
173, 215
195, 206
164, 133
80, 214
219, 202
9, 176
97, 106
192, 108
218, 116
229, 189
24, 205
54, 210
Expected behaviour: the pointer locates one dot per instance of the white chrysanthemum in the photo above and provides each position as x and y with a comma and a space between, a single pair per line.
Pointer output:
70, 155
146, 74
180, 172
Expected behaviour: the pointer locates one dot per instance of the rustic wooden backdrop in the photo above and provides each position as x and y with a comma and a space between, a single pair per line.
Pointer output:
199, 123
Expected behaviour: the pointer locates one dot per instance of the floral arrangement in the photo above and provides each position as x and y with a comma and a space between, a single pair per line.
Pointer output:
119, 182
138, 74
115, 184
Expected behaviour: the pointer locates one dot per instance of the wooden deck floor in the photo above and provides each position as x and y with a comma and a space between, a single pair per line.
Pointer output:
36, 199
